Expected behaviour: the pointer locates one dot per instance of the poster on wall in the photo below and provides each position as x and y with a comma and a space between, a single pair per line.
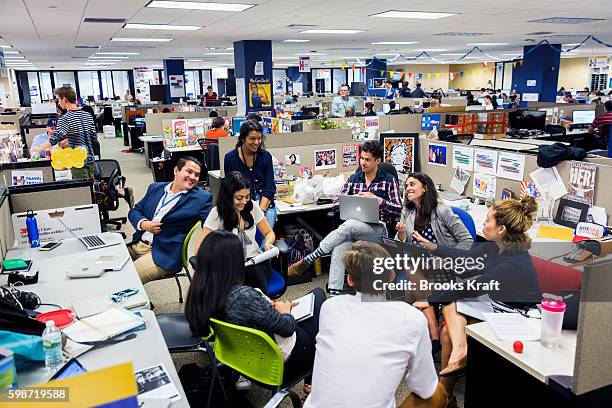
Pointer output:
581, 185
177, 86
437, 154
304, 64
143, 78
26, 177
484, 185
485, 161
401, 150
350, 155
259, 93
511, 166
325, 159
463, 158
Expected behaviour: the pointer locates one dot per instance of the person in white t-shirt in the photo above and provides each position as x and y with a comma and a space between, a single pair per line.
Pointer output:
365, 344
237, 213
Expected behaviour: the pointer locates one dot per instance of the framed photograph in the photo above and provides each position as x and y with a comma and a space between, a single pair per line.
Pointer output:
437, 154
325, 159
570, 213
401, 150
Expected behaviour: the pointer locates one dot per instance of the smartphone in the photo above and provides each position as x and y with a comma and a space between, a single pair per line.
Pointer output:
49, 246
118, 297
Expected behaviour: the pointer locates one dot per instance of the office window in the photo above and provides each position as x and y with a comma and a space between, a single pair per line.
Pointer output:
321, 80
46, 90
207, 79
338, 78
121, 83
279, 77
355, 76
88, 84
192, 83
107, 84
64, 78
34, 87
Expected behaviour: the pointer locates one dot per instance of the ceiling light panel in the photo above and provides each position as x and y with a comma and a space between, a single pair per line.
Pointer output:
331, 31
109, 57
144, 39
395, 43
138, 26
118, 53
295, 41
458, 34
488, 44
422, 15
566, 20
192, 5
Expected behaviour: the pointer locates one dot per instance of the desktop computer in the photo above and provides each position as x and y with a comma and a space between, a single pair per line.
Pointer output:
527, 120
580, 117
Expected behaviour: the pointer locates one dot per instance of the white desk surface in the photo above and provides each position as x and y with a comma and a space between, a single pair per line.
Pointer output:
54, 287
537, 360
191, 148
146, 350
286, 208
152, 138
500, 144
534, 141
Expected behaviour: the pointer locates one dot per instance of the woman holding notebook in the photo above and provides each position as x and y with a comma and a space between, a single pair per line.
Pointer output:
218, 290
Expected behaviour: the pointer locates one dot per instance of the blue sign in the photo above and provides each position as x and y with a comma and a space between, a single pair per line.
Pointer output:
429, 121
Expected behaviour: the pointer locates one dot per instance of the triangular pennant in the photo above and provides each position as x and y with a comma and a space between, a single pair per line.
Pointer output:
514, 64
363, 70
343, 65
451, 75
410, 75
333, 62
493, 70
382, 72
437, 75
461, 73
353, 68
420, 75
391, 74
429, 75
471, 72
484, 64
478, 71
521, 62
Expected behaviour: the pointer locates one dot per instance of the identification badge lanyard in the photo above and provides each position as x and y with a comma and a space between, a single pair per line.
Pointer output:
165, 203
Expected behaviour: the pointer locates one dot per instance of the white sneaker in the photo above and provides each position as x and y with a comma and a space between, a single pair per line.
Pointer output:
243, 384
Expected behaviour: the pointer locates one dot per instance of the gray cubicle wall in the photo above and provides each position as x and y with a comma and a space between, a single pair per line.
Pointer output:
566, 109
303, 144
6, 170
154, 120
7, 237
51, 195
444, 174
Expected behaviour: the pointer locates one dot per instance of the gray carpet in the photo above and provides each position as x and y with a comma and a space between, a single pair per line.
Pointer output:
164, 294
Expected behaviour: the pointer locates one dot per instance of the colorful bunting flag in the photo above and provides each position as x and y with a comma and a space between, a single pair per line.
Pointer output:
521, 62
429, 75
420, 75
353, 68
484, 64
391, 74
382, 72
514, 64
437, 75
410, 75
461, 73
343, 65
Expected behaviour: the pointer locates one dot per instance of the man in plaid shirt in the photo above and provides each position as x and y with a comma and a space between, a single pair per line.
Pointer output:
369, 182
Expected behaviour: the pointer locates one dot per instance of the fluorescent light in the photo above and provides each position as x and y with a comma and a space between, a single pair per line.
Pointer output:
394, 54
513, 55
331, 31
11, 52
117, 53
395, 42
108, 57
454, 54
295, 41
17, 57
5, 46
218, 53
487, 43
100, 63
128, 39
230, 48
413, 14
161, 27
192, 5
195, 60
306, 54
478, 58
571, 45
103, 61
430, 50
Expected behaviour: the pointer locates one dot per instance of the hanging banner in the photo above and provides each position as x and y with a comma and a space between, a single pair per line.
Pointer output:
259, 93
143, 77
304, 64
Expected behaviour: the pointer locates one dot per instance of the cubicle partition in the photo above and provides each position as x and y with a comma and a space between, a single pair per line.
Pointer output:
566, 109
57, 194
7, 237
39, 167
154, 120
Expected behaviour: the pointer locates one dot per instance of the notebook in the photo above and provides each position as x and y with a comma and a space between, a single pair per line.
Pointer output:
305, 307
103, 326
99, 304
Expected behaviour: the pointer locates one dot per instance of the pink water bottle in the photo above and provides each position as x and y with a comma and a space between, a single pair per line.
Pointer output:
552, 321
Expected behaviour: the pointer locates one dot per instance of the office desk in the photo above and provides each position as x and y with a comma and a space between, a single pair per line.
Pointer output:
54, 287
504, 145
190, 148
147, 349
284, 208
535, 141
153, 146
496, 373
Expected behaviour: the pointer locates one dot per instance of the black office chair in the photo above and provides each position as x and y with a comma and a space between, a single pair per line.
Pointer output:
108, 181
211, 153
107, 118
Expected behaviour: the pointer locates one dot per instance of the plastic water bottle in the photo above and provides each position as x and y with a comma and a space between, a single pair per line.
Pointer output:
52, 343
32, 227
553, 311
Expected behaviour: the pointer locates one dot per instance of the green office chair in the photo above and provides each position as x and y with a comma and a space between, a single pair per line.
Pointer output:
255, 355
185, 260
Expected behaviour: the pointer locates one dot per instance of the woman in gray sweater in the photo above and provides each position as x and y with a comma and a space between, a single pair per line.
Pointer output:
425, 214
217, 290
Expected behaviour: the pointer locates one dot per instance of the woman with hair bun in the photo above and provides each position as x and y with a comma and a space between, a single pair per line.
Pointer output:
504, 259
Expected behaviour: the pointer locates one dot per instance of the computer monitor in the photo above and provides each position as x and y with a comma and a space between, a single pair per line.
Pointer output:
430, 120
359, 89
236, 123
581, 117
311, 110
528, 120
297, 127
157, 93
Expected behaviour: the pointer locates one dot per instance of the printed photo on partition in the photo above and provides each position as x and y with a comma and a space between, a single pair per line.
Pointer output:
400, 152
306, 172
259, 93
350, 155
292, 159
325, 159
437, 154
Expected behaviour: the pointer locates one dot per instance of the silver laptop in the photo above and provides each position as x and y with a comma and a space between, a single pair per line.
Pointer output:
91, 242
359, 208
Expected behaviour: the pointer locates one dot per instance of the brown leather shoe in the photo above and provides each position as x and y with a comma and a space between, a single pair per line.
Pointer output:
456, 368
298, 268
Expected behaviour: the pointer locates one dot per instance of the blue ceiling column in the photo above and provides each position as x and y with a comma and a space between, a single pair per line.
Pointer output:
539, 72
253, 71
174, 68
373, 72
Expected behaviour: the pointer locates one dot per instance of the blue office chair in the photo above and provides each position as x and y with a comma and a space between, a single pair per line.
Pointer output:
467, 220
277, 284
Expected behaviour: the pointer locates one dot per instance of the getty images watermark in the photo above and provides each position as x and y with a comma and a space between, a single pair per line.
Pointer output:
429, 266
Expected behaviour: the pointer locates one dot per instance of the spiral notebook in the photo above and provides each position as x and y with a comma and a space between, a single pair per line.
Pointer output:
305, 307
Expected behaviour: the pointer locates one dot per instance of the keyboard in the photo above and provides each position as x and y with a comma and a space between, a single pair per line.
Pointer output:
93, 242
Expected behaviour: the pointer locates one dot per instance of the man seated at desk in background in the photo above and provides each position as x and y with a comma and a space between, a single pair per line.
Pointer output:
602, 120
343, 102
369, 181
162, 219
38, 141
418, 92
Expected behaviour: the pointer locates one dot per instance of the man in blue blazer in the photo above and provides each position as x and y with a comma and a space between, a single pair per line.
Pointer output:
163, 218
